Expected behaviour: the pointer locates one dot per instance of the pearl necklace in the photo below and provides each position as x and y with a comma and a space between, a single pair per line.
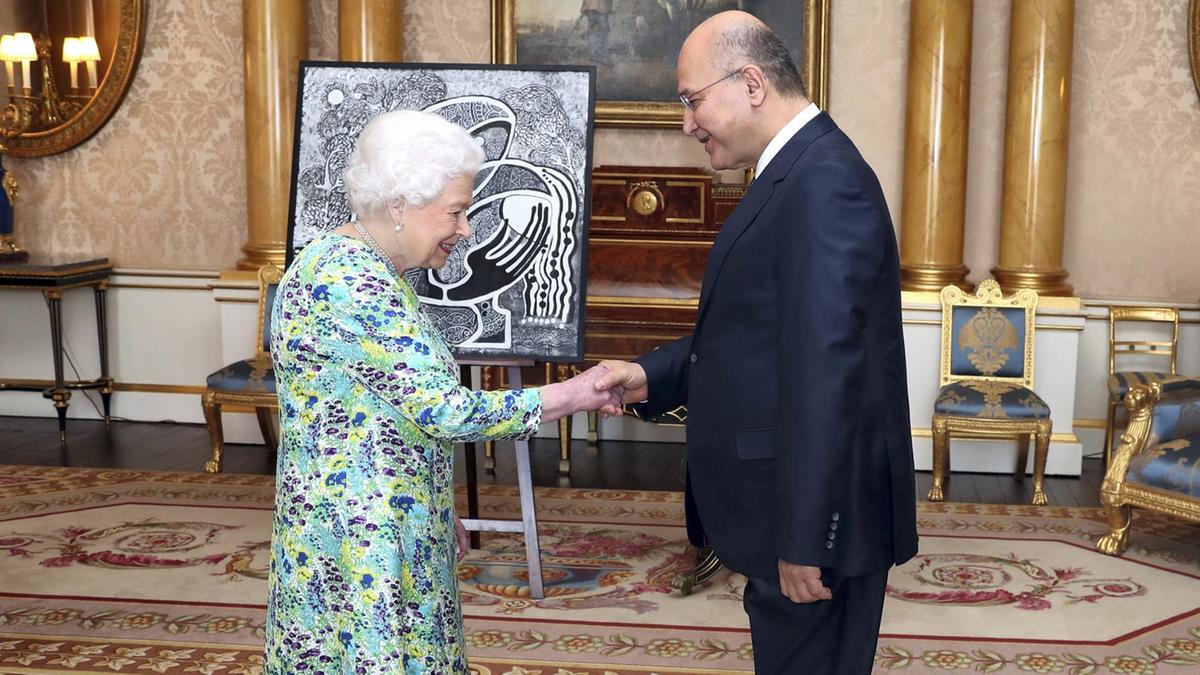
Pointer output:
375, 245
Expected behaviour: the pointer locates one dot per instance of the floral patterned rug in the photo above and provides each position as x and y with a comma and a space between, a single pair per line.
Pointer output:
108, 571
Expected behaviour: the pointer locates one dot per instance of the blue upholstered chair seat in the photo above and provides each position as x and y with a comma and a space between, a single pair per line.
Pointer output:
1157, 465
1119, 383
249, 376
1173, 466
991, 400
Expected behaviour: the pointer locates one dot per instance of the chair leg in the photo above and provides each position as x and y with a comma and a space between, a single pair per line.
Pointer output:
562, 373
212, 418
1040, 452
941, 460
593, 421
266, 424
1022, 457
1119, 519
489, 457
487, 377
564, 445
1109, 428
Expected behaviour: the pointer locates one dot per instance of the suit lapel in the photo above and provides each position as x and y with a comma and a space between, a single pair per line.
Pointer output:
756, 198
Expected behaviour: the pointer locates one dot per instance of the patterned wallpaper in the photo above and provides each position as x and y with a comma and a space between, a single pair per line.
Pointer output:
162, 185
1134, 136
1134, 177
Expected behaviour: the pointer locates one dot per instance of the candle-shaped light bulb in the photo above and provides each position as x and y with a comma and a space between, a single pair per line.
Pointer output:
71, 58
89, 52
6, 54
24, 51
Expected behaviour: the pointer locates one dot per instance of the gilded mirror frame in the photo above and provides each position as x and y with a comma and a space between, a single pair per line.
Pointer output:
108, 95
1194, 42
627, 114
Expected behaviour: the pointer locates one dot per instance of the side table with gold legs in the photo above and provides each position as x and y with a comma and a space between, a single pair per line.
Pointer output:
52, 277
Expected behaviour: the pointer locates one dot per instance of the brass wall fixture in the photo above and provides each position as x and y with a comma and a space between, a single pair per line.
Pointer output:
67, 65
51, 102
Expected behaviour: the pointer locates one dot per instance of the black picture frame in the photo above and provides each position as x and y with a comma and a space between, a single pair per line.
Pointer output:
526, 300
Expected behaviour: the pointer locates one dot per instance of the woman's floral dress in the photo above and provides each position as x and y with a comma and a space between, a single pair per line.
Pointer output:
363, 550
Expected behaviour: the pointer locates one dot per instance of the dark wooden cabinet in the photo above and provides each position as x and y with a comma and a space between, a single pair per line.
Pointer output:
650, 235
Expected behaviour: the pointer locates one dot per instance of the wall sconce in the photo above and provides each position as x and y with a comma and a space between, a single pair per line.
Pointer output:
15, 118
82, 49
18, 47
45, 105
25, 106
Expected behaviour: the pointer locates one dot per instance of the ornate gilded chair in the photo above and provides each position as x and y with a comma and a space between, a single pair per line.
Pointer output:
1157, 465
986, 379
249, 382
1145, 349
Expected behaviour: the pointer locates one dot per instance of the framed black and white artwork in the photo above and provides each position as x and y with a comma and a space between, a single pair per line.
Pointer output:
516, 288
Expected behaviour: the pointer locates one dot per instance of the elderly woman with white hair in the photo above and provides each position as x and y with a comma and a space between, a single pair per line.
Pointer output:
365, 542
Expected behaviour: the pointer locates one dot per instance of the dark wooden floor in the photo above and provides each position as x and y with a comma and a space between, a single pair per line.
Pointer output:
610, 465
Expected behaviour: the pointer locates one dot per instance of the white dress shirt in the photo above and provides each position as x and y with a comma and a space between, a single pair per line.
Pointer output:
785, 134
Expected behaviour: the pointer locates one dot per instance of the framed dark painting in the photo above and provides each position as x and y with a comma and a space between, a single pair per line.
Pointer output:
633, 44
516, 288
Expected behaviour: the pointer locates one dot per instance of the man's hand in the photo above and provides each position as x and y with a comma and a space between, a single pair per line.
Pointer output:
801, 583
624, 374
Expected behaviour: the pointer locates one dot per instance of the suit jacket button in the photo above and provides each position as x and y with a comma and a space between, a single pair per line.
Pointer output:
829, 545
833, 525
693, 358
832, 536
835, 517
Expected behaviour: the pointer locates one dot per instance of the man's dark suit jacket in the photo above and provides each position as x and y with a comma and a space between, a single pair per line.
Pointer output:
798, 440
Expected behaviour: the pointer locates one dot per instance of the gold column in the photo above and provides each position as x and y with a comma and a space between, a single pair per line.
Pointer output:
1035, 147
935, 145
370, 30
275, 35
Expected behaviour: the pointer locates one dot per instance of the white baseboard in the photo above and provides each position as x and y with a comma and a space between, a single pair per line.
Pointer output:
170, 329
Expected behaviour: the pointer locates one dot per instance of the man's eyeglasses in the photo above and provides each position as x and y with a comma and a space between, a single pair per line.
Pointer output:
689, 100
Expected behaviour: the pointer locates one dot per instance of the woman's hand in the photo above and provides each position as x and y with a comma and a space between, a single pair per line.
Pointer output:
579, 393
463, 537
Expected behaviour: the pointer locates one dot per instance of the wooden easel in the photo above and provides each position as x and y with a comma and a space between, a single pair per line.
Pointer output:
528, 523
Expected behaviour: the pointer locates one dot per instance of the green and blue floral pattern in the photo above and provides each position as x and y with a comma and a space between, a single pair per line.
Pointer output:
362, 576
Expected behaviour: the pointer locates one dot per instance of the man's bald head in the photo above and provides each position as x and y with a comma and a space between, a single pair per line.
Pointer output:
734, 39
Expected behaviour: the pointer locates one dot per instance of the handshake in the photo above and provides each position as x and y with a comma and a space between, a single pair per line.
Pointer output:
604, 388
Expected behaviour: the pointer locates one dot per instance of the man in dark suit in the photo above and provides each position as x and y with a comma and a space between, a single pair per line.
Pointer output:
800, 468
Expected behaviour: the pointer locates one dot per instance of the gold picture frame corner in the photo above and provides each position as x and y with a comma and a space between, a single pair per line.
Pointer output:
1194, 42
669, 115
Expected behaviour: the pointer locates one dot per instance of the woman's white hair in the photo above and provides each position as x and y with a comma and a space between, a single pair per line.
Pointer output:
408, 155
